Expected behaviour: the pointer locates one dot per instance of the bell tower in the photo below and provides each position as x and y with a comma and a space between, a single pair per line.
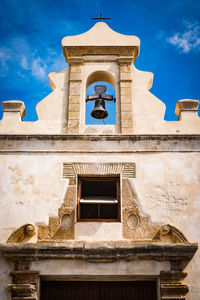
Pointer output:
100, 54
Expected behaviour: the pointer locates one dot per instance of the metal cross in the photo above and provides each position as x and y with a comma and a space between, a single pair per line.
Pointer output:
100, 18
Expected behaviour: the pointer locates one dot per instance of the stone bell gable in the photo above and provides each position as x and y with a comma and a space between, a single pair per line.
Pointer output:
109, 209
101, 54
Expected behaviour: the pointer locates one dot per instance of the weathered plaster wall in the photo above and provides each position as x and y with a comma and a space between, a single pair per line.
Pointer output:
166, 188
69, 269
166, 184
193, 277
98, 231
31, 190
5, 279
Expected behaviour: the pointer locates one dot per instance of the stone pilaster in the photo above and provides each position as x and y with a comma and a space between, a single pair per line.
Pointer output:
24, 282
126, 105
75, 85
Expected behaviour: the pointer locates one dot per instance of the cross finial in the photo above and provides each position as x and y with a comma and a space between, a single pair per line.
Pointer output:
101, 18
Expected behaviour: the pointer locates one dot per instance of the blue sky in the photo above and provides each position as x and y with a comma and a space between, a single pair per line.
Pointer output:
31, 33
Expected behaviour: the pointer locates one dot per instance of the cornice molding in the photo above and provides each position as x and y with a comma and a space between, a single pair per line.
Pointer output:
132, 137
100, 251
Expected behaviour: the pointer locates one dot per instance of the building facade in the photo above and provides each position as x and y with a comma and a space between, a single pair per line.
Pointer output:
96, 210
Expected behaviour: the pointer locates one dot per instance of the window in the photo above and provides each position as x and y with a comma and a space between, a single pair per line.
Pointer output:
98, 199
107, 290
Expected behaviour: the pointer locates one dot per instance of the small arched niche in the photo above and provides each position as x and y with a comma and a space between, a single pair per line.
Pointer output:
106, 79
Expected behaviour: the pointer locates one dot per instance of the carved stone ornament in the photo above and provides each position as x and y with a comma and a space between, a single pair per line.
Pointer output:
22, 234
135, 225
61, 227
168, 233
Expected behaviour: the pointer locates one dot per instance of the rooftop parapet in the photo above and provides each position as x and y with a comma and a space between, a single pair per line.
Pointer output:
13, 109
187, 109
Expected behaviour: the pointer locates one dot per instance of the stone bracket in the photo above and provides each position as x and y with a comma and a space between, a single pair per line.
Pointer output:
171, 286
24, 285
22, 290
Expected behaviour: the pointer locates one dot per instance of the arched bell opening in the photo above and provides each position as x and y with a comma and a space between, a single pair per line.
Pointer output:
99, 111
100, 99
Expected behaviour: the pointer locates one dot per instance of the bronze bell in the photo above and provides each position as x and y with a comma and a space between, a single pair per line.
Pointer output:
99, 111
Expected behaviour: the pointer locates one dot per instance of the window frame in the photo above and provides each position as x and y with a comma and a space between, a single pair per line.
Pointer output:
112, 178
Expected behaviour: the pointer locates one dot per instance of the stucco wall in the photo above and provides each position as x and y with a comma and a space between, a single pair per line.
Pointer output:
4, 278
166, 185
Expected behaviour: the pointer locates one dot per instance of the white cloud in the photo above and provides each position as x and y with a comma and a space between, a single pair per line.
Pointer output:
14, 52
5, 56
39, 68
25, 60
24, 63
187, 41
58, 63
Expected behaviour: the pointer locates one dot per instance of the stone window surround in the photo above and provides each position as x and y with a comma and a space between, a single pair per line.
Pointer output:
74, 170
71, 171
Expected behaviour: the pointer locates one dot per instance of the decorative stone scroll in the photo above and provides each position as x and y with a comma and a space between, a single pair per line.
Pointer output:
22, 234
71, 170
168, 233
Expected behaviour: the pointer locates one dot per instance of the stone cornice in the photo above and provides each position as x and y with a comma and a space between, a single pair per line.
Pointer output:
100, 251
131, 137
98, 144
80, 51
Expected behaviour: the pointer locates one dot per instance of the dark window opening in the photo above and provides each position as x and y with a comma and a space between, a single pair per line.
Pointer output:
99, 290
98, 199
